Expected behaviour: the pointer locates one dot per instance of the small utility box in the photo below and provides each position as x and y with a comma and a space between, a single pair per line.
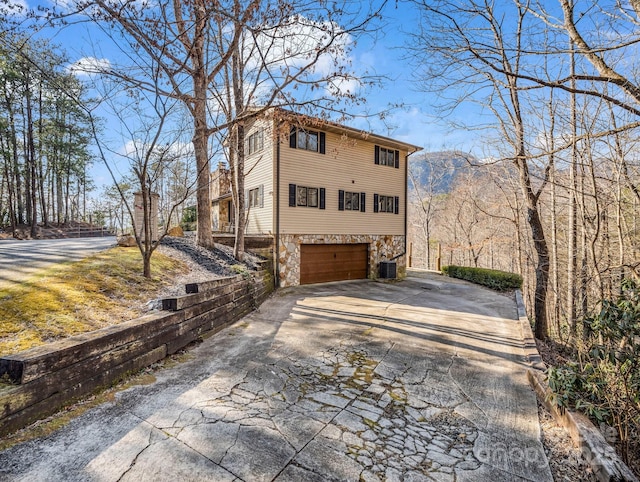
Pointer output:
388, 269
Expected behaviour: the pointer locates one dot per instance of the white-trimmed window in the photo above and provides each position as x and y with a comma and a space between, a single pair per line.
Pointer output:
254, 198
255, 142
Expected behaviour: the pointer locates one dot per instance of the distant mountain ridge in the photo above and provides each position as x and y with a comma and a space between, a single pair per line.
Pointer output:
437, 171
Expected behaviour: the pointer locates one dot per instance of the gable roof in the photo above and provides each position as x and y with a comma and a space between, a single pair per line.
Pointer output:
293, 118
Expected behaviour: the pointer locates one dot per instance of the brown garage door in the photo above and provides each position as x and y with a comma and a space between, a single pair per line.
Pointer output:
320, 263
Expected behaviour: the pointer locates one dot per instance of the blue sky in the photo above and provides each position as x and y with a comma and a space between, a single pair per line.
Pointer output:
414, 123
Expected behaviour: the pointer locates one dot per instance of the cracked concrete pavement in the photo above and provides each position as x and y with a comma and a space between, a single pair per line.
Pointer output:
420, 380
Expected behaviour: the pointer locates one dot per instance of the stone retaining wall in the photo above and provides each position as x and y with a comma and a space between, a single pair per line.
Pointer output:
47, 377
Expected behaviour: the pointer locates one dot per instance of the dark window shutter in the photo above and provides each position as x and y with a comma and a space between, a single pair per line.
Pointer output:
292, 195
340, 200
397, 159
376, 159
375, 203
322, 142
362, 202
292, 137
396, 208
322, 197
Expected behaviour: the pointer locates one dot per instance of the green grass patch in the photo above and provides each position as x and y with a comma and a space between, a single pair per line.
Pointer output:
491, 278
73, 298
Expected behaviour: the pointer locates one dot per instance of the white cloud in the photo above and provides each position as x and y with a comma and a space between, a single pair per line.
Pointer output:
276, 54
343, 86
293, 46
13, 7
135, 149
131, 148
87, 66
72, 5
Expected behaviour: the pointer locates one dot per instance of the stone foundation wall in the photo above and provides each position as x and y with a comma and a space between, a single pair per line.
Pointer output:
381, 248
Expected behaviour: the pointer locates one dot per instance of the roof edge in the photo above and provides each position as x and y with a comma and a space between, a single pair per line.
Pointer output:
330, 126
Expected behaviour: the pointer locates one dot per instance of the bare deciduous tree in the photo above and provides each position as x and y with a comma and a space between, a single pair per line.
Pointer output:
468, 51
221, 60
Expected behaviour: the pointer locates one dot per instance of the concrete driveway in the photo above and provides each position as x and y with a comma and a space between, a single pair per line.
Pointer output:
21, 259
419, 380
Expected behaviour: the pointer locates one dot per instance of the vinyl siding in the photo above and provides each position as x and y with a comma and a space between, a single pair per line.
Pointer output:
259, 171
347, 165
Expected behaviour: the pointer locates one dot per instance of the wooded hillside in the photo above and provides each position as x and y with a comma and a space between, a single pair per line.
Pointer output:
475, 211
44, 137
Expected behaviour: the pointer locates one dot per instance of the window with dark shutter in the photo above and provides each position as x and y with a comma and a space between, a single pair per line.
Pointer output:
292, 195
307, 140
387, 157
312, 197
351, 201
293, 137
386, 204
362, 202
301, 195
390, 204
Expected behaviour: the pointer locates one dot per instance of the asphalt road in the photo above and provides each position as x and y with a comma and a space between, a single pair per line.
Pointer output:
20, 260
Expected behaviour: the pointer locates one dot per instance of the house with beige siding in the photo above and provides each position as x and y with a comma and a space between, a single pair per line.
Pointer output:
333, 198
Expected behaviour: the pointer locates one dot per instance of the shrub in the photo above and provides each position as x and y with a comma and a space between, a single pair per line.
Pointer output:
188, 226
605, 381
491, 278
190, 215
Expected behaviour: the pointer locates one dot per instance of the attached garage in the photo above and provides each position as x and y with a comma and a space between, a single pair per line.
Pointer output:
320, 263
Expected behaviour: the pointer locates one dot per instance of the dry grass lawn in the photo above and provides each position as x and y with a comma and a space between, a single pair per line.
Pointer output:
102, 290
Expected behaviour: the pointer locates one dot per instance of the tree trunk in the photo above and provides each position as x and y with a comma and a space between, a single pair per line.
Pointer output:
203, 197
201, 132
241, 212
57, 174
238, 96
542, 274
533, 217
15, 164
31, 161
40, 165
146, 262
10, 195
67, 191
572, 243
538, 237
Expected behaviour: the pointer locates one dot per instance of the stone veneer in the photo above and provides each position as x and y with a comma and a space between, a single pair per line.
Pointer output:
381, 248
220, 185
